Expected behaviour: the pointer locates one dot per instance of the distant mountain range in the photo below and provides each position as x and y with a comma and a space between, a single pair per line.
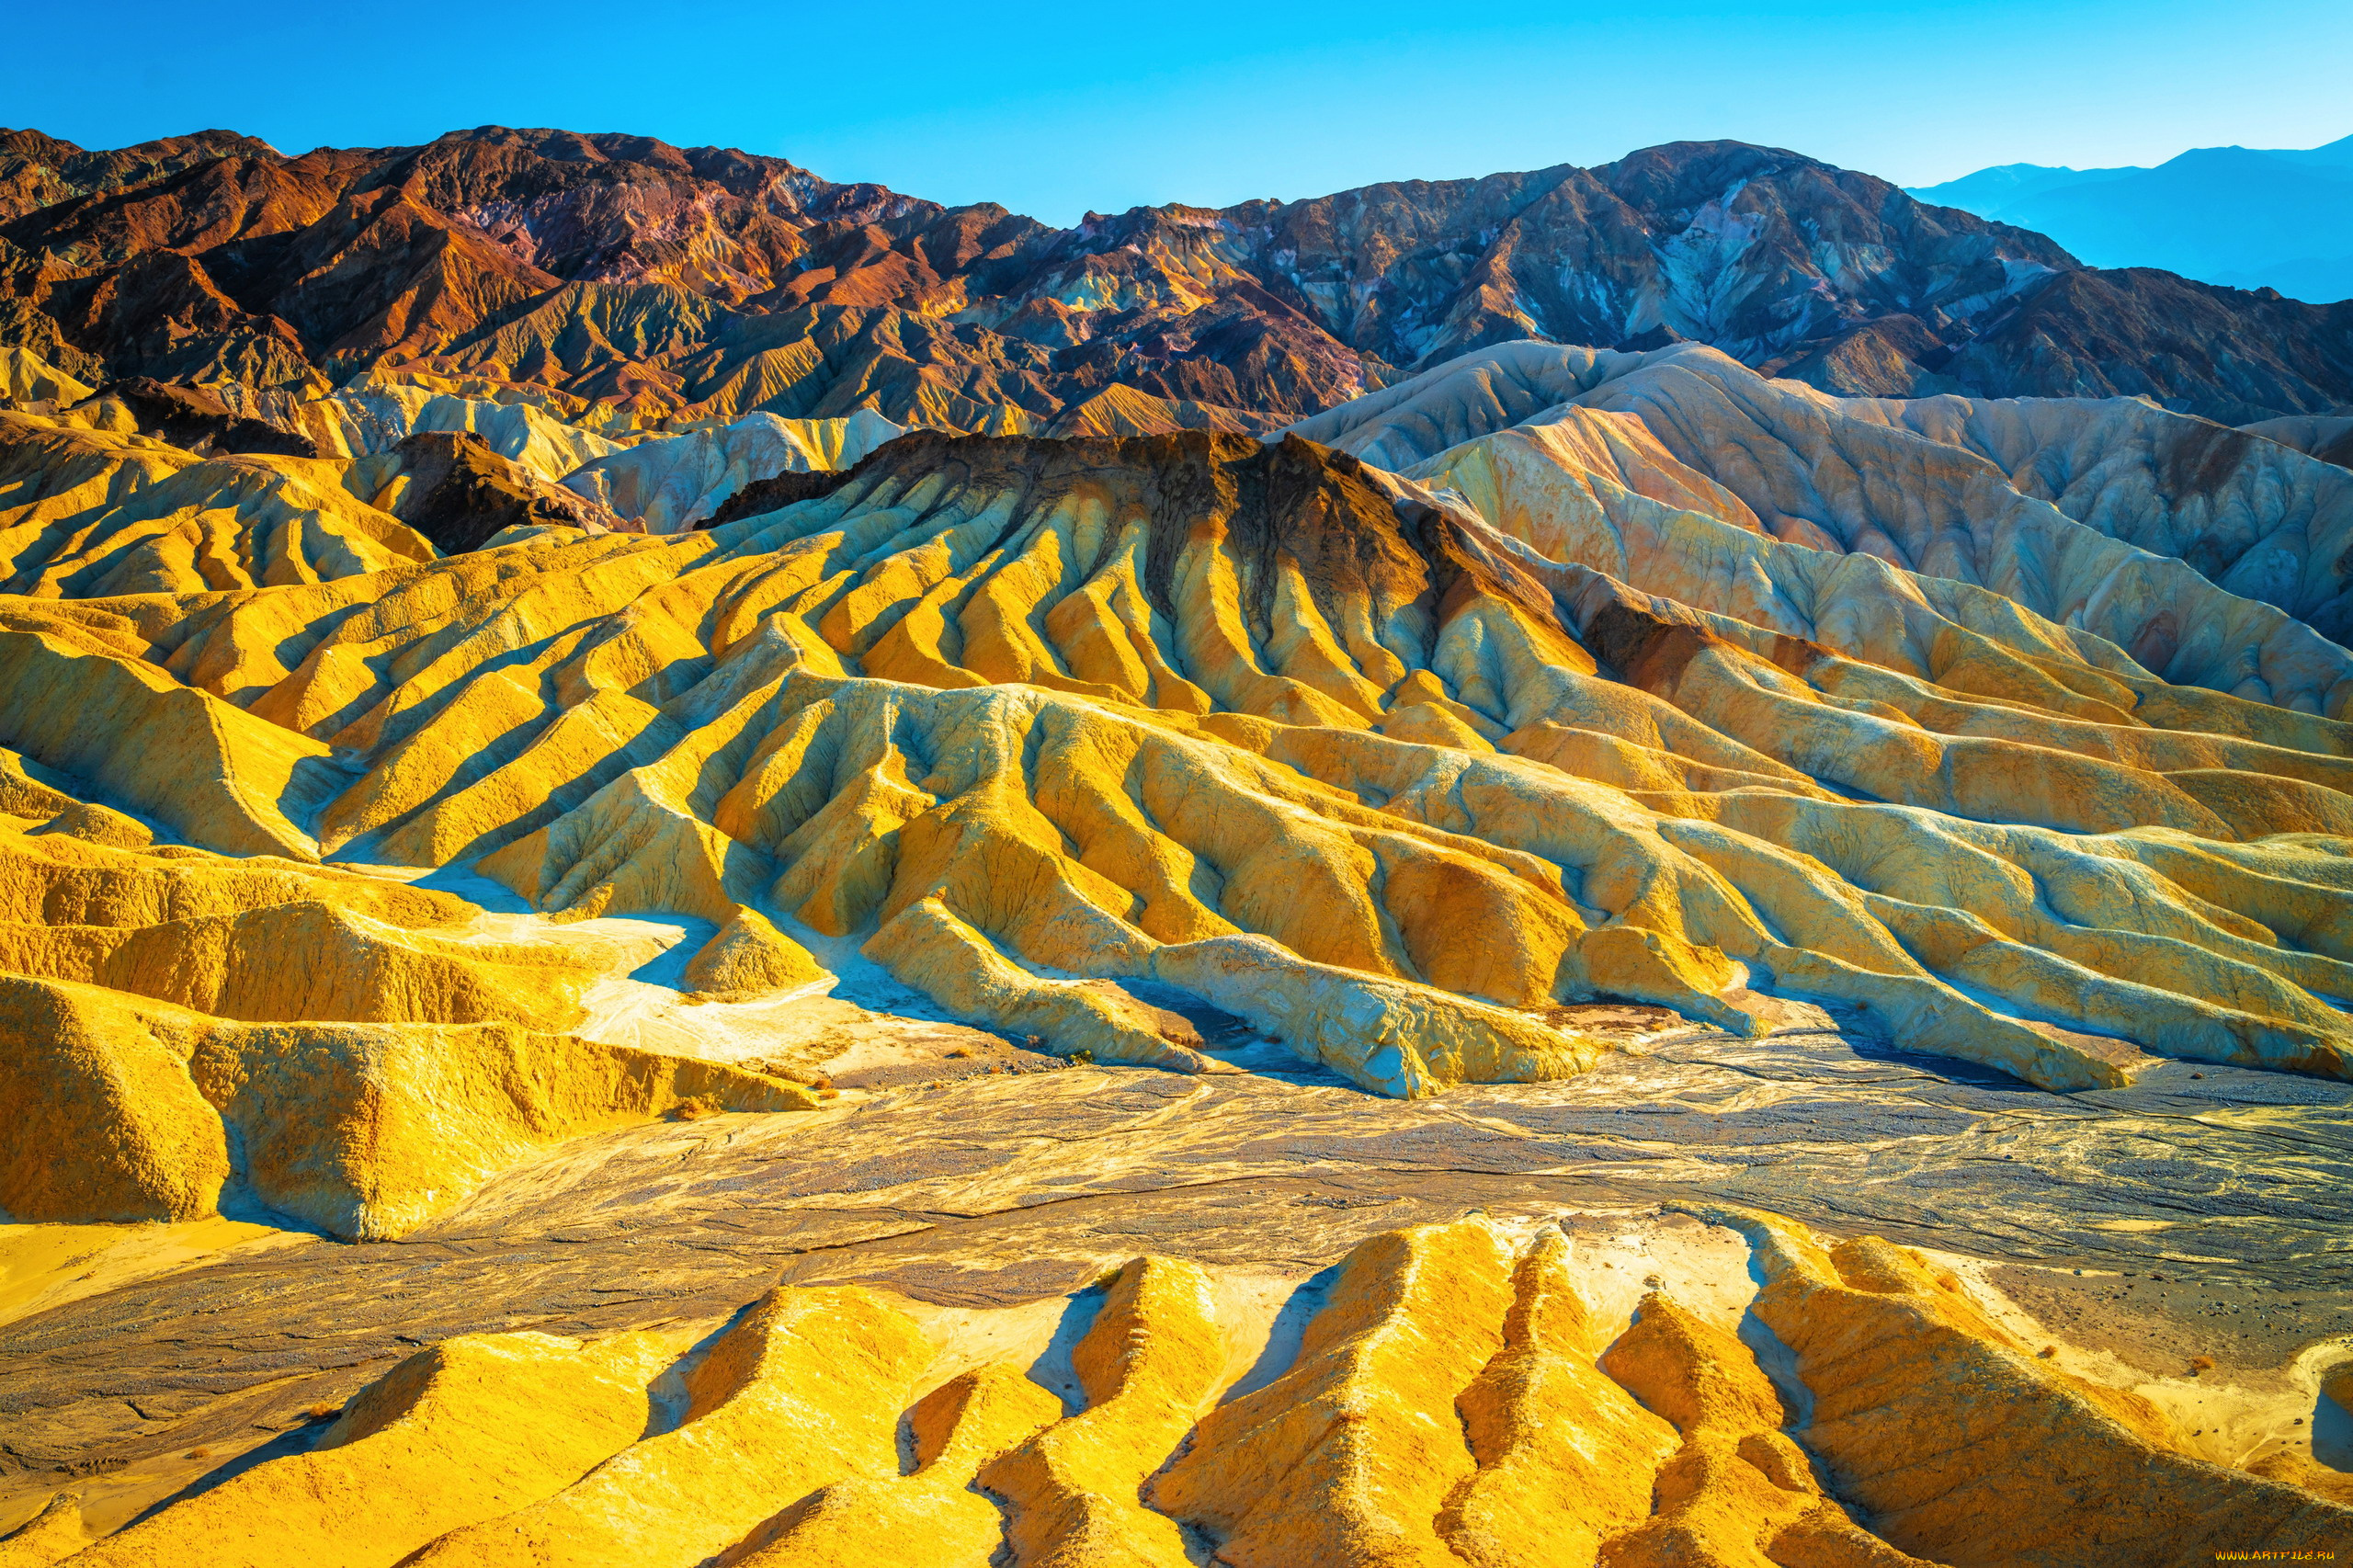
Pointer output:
664, 283
2244, 217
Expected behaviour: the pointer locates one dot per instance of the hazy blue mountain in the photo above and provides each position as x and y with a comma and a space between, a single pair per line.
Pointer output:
2249, 218
2336, 154
1989, 191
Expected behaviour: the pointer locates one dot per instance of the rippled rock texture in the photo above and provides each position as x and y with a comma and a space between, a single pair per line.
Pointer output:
479, 903
1473, 1390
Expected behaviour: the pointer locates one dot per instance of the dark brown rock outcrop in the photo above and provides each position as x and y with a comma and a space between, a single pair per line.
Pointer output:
460, 493
198, 420
777, 492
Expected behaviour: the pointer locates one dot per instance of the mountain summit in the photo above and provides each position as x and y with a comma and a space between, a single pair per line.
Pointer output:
696, 282
2253, 218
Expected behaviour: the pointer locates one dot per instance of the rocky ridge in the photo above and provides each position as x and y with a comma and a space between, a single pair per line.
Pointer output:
664, 283
1470, 1390
445, 855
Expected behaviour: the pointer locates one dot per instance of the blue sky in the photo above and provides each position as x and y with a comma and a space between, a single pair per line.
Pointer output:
1056, 109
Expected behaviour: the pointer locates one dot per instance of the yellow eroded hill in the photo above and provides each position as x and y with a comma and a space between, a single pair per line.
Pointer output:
130, 1109
1395, 770
341, 1048
1387, 771
1456, 1398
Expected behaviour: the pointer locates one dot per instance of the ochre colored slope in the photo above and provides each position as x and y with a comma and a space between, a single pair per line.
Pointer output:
341, 1048
1737, 1490
51, 470
1912, 1388
805, 1388
1453, 1400
233, 522
1350, 1455
1378, 769
467, 1430
866, 1521
1566, 1458
1073, 1492
137, 1110
262, 939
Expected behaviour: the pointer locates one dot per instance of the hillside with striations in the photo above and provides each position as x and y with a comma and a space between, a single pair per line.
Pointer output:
705, 281
701, 866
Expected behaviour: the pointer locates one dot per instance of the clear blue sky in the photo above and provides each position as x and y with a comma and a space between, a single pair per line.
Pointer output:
1055, 110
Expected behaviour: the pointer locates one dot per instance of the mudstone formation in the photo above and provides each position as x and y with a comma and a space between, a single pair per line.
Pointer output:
557, 692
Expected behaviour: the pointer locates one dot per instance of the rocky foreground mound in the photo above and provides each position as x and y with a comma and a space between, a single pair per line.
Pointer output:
465, 840
1448, 1394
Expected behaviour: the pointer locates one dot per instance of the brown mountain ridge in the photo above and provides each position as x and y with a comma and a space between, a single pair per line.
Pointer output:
691, 282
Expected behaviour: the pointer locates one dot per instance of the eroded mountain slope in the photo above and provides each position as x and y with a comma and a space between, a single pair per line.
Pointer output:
1625, 766
2111, 517
1458, 1392
660, 282
1333, 751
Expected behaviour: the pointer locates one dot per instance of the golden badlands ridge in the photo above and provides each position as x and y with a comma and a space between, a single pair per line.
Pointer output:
1590, 958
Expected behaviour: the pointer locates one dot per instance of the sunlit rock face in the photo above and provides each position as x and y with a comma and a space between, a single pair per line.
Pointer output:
513, 830
664, 283
1467, 1391
1550, 675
